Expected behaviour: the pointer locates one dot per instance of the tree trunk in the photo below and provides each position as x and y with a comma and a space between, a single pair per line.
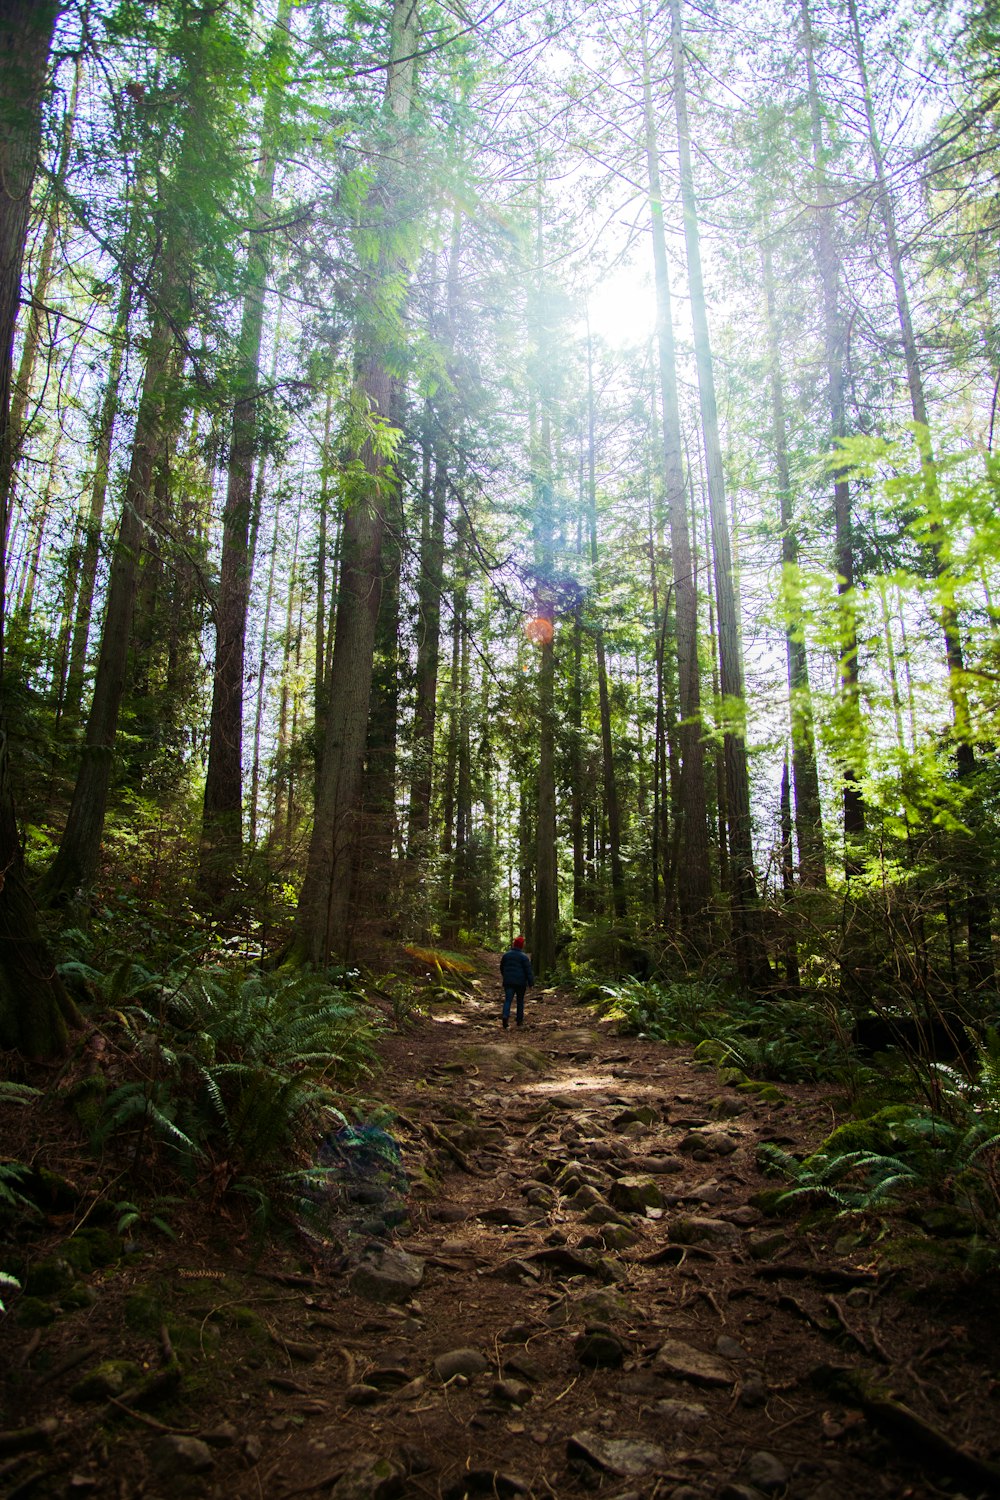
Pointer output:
222, 815
98, 495
607, 747
39, 293
690, 815
751, 954
431, 579
828, 266
323, 918
75, 865
35, 1009
805, 775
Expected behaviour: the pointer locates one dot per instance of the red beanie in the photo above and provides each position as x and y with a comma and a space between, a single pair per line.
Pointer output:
519, 942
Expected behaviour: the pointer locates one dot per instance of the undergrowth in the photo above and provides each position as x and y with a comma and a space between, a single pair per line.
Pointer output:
924, 1147
225, 1081
766, 1038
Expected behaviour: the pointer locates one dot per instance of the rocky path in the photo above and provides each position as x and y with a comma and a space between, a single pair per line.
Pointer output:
578, 1294
585, 1298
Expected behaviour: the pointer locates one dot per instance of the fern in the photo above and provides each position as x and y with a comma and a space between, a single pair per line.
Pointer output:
11, 1174
7, 1283
17, 1093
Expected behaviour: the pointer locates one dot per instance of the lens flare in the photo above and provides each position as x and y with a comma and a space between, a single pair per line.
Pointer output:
539, 630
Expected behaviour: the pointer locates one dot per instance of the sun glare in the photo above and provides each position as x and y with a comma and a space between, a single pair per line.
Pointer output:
622, 307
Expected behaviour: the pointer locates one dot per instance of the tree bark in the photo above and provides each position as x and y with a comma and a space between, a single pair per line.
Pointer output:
323, 917
35, 1010
690, 814
222, 813
805, 774
611, 805
751, 953
828, 267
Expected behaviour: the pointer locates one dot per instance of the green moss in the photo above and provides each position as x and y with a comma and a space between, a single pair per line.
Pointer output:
86, 1100
764, 1091
49, 1278
32, 1312
92, 1246
110, 1378
243, 1318
78, 1296
143, 1310
874, 1134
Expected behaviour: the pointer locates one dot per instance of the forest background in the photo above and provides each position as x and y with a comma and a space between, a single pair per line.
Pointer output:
520, 469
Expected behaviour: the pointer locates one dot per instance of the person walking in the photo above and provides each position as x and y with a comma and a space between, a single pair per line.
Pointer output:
515, 972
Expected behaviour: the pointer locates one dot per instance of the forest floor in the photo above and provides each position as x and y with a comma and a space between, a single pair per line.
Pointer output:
582, 1298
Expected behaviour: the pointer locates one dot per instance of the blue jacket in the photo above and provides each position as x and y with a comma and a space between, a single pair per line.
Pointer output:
515, 968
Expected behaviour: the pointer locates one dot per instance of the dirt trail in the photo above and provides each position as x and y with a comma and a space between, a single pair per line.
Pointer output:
635, 1325
576, 1295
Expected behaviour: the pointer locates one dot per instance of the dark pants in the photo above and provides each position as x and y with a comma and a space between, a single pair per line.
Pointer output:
509, 992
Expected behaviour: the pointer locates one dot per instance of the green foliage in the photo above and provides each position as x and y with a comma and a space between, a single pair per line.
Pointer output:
7, 1284
133, 1216
901, 1157
231, 1077
758, 1038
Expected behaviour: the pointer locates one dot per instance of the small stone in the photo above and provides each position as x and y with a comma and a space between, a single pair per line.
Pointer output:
587, 1196
744, 1216
388, 1377
517, 1271
754, 1392
467, 1362
691, 1229
223, 1436
726, 1107
766, 1472
601, 1213
518, 1333
412, 1389
635, 1194
658, 1165
766, 1244
600, 1350
369, 1479
491, 1482
253, 1449
714, 1142
683, 1362
507, 1217
730, 1349
542, 1197
363, 1395
387, 1275
175, 1455
625, 1457
514, 1392
643, 1114
684, 1416
707, 1192
618, 1236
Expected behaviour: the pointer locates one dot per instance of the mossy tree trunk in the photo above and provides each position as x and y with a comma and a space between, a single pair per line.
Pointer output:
35, 1010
